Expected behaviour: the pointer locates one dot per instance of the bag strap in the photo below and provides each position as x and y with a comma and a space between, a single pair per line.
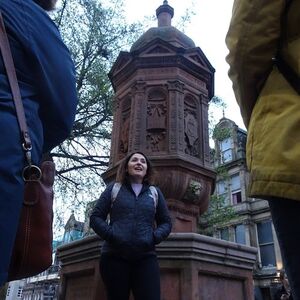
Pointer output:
13, 82
16, 95
114, 192
285, 69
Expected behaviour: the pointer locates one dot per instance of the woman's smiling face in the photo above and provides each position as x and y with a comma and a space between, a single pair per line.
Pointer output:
137, 168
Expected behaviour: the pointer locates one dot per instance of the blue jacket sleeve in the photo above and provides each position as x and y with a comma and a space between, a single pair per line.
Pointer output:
55, 73
45, 69
163, 219
99, 215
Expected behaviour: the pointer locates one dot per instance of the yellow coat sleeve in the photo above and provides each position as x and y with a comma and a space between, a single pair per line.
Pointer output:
252, 40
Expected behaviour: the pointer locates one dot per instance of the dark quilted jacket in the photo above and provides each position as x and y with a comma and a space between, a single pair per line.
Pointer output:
131, 230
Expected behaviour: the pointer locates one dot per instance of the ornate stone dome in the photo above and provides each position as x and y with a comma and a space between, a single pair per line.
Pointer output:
164, 31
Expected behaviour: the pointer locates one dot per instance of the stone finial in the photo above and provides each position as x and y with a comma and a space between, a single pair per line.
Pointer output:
164, 14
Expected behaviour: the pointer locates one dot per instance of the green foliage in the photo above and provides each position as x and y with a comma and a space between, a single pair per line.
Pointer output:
221, 134
218, 214
215, 104
185, 18
218, 101
222, 173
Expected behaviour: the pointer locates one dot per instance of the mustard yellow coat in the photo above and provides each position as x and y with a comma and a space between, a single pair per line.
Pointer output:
270, 107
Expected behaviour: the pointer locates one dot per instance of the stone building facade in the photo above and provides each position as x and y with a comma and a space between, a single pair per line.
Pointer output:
252, 225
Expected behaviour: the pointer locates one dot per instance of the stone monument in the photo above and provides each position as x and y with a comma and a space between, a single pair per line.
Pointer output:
162, 89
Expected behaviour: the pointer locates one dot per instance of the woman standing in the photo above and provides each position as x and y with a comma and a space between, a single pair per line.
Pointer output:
128, 259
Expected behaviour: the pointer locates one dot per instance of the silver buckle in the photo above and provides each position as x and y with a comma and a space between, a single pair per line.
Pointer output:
32, 173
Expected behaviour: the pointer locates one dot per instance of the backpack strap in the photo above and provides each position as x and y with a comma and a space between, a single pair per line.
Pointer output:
117, 186
287, 71
114, 192
154, 194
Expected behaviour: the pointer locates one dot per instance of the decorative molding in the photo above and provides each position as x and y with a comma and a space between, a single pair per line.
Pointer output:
175, 85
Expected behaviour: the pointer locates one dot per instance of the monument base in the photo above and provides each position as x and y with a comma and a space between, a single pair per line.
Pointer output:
193, 267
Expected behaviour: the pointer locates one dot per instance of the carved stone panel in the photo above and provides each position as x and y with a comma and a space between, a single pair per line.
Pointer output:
191, 127
137, 127
156, 120
125, 125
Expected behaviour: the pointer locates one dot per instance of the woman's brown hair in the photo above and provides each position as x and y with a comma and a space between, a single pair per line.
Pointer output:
123, 176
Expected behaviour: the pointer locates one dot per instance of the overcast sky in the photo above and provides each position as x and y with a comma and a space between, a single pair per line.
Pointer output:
207, 29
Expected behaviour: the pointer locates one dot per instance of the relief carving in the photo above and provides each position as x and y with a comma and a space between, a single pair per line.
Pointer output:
124, 134
193, 191
191, 127
176, 85
158, 49
154, 140
156, 120
125, 125
156, 116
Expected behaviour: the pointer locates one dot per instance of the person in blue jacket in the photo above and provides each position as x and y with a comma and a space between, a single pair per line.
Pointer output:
46, 77
128, 259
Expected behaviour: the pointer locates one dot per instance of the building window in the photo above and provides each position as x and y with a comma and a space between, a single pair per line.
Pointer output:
222, 191
221, 188
224, 234
226, 150
240, 234
236, 195
72, 235
67, 237
266, 244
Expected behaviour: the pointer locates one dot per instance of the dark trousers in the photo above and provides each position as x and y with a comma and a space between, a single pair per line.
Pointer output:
286, 220
120, 276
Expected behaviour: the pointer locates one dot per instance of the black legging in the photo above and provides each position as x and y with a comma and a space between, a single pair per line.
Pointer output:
286, 220
120, 276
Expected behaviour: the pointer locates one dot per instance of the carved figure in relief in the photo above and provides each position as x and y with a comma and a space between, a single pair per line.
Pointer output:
156, 121
191, 134
154, 140
156, 116
124, 135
